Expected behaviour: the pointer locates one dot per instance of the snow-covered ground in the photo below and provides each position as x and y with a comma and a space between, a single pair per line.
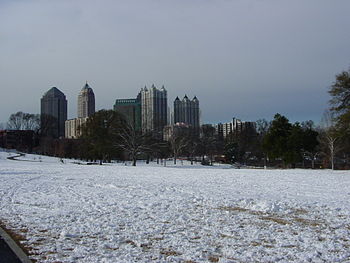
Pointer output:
115, 213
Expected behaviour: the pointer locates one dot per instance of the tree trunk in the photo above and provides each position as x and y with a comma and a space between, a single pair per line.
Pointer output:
332, 154
332, 162
134, 162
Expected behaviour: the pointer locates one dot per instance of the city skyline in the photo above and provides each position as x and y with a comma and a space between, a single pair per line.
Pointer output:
247, 59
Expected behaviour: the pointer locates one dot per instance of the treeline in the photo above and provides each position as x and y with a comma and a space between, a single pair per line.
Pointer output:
107, 136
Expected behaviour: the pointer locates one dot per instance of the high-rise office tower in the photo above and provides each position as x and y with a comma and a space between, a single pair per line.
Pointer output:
187, 111
154, 107
53, 112
131, 110
86, 102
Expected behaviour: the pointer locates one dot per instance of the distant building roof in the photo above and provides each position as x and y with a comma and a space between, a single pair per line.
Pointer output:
54, 92
87, 89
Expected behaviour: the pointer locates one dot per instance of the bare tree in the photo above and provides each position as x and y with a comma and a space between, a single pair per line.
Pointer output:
15, 121
133, 142
23, 121
329, 137
31, 121
178, 141
178, 144
192, 147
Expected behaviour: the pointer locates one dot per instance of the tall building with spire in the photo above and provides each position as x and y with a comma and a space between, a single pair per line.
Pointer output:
86, 102
86, 108
187, 111
154, 110
53, 112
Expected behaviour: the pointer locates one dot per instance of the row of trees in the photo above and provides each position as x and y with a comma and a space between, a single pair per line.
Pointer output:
291, 144
278, 142
107, 135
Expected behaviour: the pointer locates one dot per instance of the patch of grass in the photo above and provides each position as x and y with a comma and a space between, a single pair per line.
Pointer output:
268, 246
306, 221
157, 238
130, 242
300, 211
213, 259
289, 246
169, 252
255, 244
146, 247
112, 248
277, 220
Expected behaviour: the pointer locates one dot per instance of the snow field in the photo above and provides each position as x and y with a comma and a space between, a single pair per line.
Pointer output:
115, 213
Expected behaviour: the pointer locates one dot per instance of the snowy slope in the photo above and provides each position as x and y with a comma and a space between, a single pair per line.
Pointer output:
116, 213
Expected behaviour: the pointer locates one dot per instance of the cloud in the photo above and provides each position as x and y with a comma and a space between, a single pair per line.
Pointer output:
248, 59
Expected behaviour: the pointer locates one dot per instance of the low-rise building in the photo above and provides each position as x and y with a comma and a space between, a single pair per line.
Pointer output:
73, 127
22, 140
234, 126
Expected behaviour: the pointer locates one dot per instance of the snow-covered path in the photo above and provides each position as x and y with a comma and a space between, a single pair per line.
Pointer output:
115, 213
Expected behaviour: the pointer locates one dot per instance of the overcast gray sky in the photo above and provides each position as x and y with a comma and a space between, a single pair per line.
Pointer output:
242, 58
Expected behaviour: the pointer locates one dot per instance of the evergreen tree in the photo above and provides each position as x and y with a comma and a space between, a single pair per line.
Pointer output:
295, 140
276, 142
340, 111
102, 135
340, 101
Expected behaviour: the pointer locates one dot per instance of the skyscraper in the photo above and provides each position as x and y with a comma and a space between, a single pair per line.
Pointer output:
86, 102
187, 111
53, 112
131, 110
154, 107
